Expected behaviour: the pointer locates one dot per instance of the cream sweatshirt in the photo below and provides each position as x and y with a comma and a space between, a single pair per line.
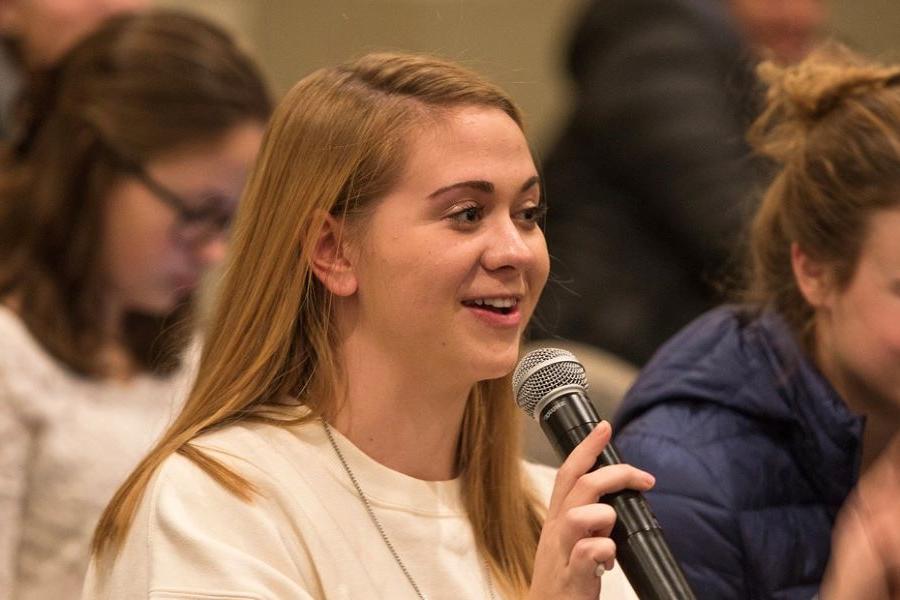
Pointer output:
307, 535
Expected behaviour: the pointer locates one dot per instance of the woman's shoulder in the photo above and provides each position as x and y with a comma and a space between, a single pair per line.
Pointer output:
719, 367
266, 453
23, 354
255, 441
20, 352
201, 477
32, 383
38, 388
191, 509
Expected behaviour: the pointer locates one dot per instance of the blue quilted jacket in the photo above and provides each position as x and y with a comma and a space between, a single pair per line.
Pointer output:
753, 450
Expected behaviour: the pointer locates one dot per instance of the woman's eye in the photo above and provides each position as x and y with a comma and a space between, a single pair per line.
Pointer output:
533, 214
467, 215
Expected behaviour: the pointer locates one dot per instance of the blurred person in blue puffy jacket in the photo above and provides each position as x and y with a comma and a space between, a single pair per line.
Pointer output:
758, 419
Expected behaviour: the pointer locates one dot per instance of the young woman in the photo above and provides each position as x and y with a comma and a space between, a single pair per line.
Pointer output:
758, 419
352, 432
112, 206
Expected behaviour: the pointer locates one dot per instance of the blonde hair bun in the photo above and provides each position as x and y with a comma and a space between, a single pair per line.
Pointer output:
801, 96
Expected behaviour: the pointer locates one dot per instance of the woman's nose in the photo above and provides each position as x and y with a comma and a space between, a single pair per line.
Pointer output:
210, 252
506, 246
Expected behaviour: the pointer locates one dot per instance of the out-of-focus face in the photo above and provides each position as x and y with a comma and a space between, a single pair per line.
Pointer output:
45, 29
148, 265
786, 28
858, 328
452, 261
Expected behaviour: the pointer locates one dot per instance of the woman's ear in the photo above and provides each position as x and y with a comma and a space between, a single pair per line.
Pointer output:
814, 278
330, 260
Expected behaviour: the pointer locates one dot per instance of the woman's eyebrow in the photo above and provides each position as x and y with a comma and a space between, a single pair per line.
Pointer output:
476, 184
530, 183
482, 186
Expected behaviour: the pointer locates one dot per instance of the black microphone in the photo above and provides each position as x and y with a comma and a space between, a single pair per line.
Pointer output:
550, 386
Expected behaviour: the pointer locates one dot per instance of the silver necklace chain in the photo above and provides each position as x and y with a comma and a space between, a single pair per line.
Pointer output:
380, 528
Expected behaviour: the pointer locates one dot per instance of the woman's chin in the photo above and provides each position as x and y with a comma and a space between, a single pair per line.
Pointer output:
160, 304
501, 365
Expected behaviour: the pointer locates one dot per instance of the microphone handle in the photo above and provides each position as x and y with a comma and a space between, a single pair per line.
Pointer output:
640, 547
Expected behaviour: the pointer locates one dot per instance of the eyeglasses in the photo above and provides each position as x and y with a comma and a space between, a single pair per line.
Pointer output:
194, 226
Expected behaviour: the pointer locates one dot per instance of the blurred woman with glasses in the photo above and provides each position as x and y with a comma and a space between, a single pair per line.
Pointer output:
113, 204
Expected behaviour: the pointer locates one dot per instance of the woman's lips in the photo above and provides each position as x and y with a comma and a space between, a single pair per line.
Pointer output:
509, 317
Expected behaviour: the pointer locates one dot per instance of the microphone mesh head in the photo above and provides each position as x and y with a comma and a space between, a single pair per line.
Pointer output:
543, 370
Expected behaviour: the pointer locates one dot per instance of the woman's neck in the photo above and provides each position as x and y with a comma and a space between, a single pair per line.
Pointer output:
876, 437
116, 361
882, 417
114, 357
402, 417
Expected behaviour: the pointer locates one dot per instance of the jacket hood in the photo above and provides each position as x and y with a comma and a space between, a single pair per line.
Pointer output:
750, 363
744, 361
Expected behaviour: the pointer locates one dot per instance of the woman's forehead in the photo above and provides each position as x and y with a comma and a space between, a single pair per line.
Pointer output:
467, 144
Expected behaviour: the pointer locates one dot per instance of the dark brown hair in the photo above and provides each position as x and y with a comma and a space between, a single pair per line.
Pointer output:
139, 86
832, 123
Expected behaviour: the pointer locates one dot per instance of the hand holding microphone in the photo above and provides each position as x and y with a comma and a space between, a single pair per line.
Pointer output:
575, 545
549, 385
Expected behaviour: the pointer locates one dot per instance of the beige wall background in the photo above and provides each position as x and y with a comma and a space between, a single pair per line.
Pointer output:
517, 43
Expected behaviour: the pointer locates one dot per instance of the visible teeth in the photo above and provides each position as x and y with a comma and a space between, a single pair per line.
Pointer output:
497, 302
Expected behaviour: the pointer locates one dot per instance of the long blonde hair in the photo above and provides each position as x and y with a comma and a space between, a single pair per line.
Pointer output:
335, 145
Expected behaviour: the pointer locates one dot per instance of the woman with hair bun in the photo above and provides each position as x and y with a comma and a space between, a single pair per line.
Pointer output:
758, 419
113, 204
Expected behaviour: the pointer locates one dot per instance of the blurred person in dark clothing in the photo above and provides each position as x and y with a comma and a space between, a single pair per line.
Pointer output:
651, 181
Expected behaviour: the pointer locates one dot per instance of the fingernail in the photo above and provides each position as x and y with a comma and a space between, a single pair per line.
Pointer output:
649, 480
602, 427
